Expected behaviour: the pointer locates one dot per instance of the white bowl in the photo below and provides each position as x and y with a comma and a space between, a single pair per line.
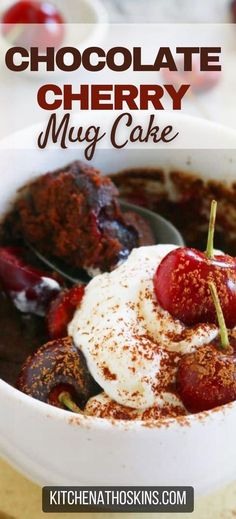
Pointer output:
52, 446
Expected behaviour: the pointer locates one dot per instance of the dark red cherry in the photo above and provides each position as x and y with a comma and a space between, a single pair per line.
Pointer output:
181, 283
57, 364
207, 378
55, 394
62, 309
48, 33
30, 289
181, 286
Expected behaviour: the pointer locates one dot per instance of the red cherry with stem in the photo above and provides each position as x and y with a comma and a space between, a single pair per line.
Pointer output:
62, 309
30, 289
57, 364
181, 282
49, 31
207, 377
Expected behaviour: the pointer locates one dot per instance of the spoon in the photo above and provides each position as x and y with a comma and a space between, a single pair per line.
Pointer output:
163, 232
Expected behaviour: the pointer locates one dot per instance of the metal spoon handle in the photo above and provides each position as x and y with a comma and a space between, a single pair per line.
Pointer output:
53, 265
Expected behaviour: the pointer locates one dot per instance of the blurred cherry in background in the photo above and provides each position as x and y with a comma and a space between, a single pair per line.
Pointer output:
48, 33
200, 81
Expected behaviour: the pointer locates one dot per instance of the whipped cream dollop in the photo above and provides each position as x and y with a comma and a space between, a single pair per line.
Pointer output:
131, 345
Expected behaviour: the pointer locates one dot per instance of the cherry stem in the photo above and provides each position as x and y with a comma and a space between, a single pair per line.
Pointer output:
211, 230
65, 399
220, 316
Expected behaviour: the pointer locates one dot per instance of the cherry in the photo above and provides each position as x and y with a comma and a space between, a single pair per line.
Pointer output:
56, 368
30, 289
144, 230
207, 377
199, 81
50, 33
64, 396
62, 309
181, 282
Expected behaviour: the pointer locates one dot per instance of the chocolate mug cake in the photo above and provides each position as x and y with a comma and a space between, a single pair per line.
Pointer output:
133, 344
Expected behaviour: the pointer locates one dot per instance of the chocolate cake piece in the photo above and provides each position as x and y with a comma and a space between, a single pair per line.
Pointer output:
74, 214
